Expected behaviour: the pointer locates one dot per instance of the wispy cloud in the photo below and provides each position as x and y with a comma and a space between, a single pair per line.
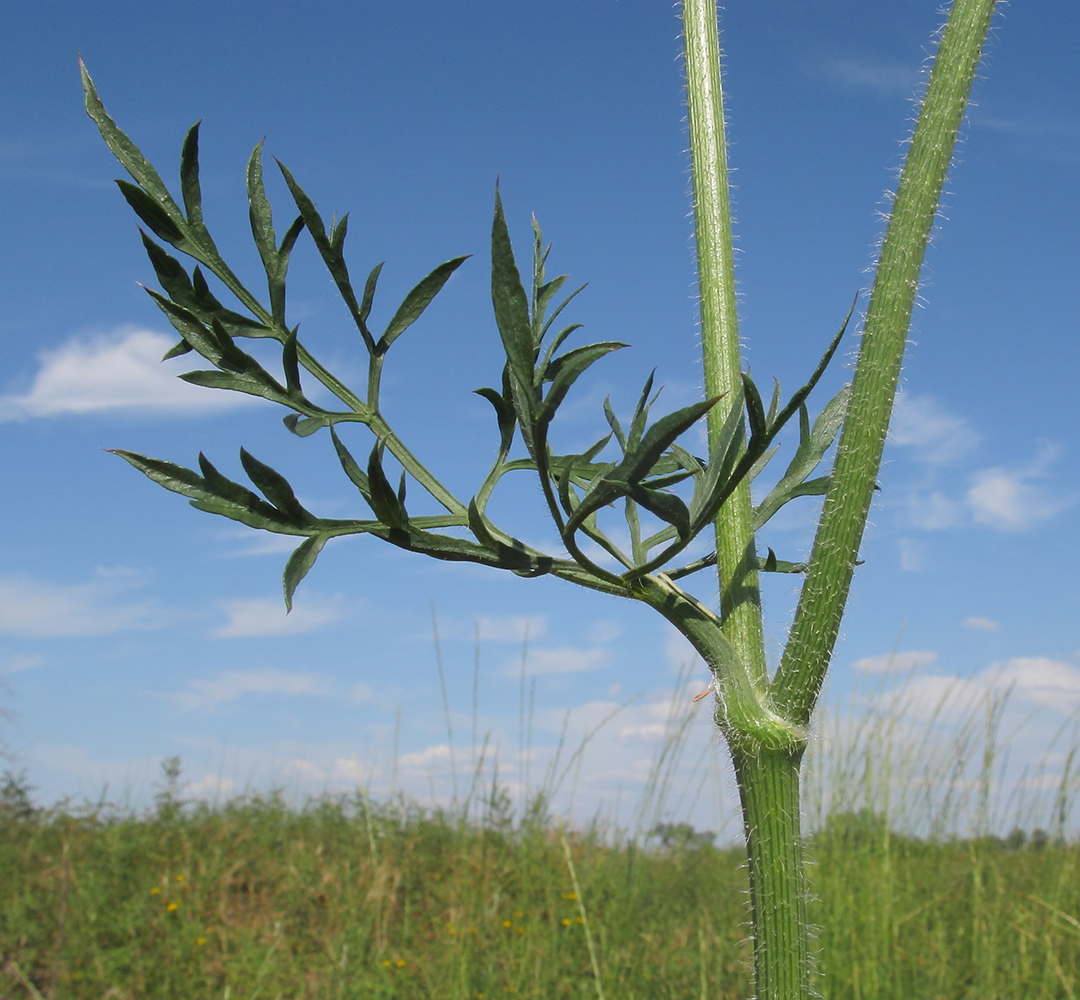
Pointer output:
934, 511
934, 435
40, 609
649, 732
422, 761
981, 624
1011, 500
511, 628
210, 786
1030, 682
913, 555
1032, 126
564, 660
878, 76
1051, 137
257, 616
251, 542
492, 628
17, 664
208, 693
899, 663
603, 631
677, 649
1037, 679
117, 372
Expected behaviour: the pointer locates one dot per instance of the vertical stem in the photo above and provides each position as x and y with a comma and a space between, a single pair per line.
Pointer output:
598, 978
769, 774
858, 457
768, 779
769, 790
740, 599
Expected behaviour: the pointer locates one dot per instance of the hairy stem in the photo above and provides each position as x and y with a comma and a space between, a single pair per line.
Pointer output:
858, 459
736, 564
769, 793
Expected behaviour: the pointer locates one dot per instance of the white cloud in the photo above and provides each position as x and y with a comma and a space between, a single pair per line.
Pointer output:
510, 628
895, 663
1038, 679
912, 555
1010, 500
1031, 682
981, 624
884, 78
677, 650
360, 693
422, 761
648, 733
936, 436
259, 543
604, 630
304, 772
266, 616
17, 664
40, 609
492, 628
349, 772
210, 786
116, 372
933, 512
564, 660
208, 693
932, 696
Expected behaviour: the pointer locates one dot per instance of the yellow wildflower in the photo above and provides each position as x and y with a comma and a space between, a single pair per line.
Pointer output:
173, 907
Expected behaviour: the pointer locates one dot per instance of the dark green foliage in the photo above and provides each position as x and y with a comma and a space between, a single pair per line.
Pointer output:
536, 379
16, 804
682, 837
345, 899
850, 831
340, 899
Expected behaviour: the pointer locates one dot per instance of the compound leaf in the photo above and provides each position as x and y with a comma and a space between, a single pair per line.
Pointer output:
161, 223
510, 304
417, 301
275, 487
349, 465
298, 565
382, 497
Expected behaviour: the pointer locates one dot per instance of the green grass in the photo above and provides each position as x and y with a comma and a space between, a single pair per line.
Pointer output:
912, 894
254, 898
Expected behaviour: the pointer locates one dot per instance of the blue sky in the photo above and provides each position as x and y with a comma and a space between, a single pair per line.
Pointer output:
133, 627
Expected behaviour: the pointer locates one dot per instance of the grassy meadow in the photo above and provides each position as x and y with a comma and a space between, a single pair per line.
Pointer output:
345, 897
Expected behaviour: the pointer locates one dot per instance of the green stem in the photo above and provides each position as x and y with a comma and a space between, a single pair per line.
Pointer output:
769, 792
858, 458
381, 429
740, 599
765, 723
